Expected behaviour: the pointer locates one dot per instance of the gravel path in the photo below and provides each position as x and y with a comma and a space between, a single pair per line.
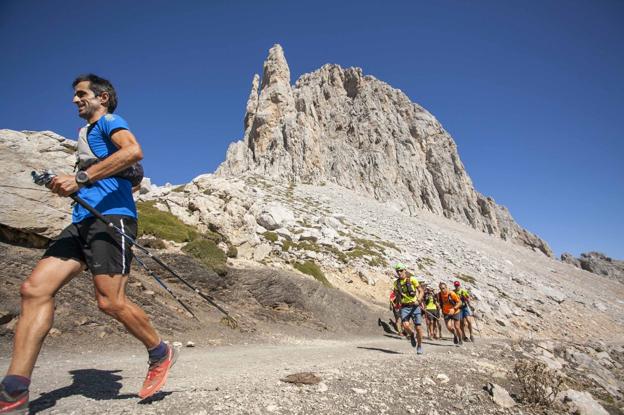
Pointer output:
367, 375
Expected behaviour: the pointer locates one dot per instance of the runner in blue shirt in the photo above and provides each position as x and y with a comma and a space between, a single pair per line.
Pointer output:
108, 154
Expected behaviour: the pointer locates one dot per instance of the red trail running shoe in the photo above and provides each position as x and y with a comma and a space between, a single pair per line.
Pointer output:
13, 405
157, 373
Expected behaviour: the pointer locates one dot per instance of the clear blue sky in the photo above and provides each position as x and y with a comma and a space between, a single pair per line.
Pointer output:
531, 91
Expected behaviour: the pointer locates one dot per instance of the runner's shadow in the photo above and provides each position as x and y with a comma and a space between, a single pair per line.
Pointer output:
379, 350
90, 383
394, 336
386, 327
429, 342
159, 396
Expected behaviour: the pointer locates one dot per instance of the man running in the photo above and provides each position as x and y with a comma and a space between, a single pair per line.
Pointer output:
409, 294
451, 305
106, 150
432, 314
466, 312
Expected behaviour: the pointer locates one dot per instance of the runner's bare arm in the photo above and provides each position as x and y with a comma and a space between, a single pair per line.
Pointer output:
421, 294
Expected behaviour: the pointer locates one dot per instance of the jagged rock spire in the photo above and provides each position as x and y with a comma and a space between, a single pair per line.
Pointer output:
339, 125
275, 70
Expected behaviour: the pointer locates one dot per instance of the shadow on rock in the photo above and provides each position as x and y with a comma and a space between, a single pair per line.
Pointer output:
90, 383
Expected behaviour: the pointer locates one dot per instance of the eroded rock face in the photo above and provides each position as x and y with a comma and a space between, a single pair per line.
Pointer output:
598, 263
30, 214
339, 125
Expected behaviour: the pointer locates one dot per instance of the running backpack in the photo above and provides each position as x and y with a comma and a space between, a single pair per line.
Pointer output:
449, 299
399, 290
85, 158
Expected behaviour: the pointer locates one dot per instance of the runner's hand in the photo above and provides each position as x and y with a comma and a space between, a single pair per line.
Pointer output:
64, 185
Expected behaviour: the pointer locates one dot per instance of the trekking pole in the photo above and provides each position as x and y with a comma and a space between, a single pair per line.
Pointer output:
162, 284
46, 177
431, 315
474, 318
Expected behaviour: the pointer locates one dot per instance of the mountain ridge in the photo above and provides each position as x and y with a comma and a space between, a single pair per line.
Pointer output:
341, 126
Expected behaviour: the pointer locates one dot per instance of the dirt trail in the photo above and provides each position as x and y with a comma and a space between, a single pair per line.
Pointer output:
356, 374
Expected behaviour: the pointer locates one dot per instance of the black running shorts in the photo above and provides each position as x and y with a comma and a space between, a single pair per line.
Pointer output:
456, 316
97, 245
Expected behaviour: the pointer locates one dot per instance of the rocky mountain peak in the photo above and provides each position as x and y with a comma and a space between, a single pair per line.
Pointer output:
276, 68
340, 126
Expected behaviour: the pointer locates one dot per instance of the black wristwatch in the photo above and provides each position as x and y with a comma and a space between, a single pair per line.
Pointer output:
82, 178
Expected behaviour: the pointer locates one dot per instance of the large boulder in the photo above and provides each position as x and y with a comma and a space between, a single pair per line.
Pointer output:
275, 216
29, 214
581, 403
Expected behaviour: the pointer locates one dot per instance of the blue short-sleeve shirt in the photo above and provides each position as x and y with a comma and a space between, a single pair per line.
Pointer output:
112, 195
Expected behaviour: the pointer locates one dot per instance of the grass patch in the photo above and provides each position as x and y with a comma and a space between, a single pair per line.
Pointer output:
179, 189
368, 244
301, 246
310, 268
290, 192
360, 252
390, 245
377, 261
163, 225
466, 278
153, 243
340, 256
270, 236
232, 252
208, 253
423, 263
287, 245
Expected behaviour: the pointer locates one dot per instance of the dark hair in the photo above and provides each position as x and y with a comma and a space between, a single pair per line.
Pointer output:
98, 86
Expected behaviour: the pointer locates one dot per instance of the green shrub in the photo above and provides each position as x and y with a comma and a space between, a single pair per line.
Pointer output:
270, 236
540, 384
378, 261
310, 268
208, 253
466, 278
287, 245
163, 225
232, 252
369, 245
153, 243
213, 236
390, 245
307, 246
340, 256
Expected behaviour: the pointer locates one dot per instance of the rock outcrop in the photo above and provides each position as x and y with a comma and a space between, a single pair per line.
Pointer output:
30, 214
341, 126
598, 263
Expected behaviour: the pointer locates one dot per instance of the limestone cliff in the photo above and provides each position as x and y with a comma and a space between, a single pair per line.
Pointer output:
339, 125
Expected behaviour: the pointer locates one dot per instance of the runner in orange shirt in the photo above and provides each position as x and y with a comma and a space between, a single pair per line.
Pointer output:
451, 309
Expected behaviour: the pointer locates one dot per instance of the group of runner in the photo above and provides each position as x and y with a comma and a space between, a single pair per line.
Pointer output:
411, 299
